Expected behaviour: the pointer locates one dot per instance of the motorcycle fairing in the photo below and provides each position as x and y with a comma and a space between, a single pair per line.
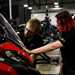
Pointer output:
16, 44
9, 46
6, 69
9, 32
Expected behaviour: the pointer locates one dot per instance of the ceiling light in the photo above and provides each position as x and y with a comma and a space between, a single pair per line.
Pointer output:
30, 8
56, 3
25, 5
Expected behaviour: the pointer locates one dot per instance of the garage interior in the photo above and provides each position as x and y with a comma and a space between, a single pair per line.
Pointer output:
23, 10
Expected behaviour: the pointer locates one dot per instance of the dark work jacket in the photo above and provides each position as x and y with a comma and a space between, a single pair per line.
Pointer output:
34, 42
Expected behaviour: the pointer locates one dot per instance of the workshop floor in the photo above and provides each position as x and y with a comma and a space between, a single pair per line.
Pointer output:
48, 69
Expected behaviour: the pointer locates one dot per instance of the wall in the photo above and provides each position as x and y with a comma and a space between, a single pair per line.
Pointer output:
41, 16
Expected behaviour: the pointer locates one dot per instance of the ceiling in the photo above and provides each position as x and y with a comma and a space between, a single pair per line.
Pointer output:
40, 3
36, 4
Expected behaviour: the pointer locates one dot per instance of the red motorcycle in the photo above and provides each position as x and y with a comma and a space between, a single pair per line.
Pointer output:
14, 60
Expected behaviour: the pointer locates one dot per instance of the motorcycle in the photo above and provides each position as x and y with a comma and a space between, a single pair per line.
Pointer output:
14, 57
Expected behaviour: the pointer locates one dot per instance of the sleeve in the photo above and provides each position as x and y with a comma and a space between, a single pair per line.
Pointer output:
65, 39
62, 40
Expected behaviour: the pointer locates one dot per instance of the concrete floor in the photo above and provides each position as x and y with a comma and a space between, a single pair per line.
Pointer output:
48, 69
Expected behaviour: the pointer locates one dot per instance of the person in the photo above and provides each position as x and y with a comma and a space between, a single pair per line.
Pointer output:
66, 42
32, 38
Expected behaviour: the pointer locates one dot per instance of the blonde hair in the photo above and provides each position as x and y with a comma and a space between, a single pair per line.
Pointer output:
35, 24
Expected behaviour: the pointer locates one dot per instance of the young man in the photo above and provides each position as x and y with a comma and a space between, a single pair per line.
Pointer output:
32, 38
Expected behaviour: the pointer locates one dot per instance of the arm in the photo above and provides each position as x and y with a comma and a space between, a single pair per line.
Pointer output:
48, 47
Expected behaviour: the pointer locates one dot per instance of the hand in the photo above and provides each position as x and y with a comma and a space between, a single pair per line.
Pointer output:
27, 50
